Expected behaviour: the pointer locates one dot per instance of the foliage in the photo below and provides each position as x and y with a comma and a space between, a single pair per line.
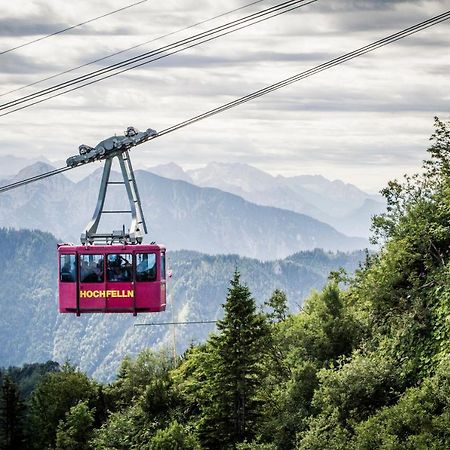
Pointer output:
52, 400
400, 301
229, 404
420, 419
278, 304
28, 376
140, 376
142, 401
124, 430
300, 346
12, 408
74, 432
174, 437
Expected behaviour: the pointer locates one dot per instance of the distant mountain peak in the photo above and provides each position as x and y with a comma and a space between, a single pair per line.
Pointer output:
232, 177
170, 170
34, 169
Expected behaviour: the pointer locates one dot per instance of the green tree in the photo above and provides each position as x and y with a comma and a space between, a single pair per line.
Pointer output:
420, 419
142, 401
124, 430
51, 401
391, 392
12, 411
229, 404
278, 305
300, 346
174, 437
137, 375
27, 377
75, 431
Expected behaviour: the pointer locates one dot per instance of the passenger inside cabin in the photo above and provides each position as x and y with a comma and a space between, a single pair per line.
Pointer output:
119, 267
91, 269
84, 270
68, 271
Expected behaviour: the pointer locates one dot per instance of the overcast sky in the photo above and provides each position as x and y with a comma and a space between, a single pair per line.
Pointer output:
364, 122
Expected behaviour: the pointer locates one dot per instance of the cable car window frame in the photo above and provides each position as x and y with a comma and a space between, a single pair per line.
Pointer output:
91, 257
129, 260
153, 274
72, 270
163, 265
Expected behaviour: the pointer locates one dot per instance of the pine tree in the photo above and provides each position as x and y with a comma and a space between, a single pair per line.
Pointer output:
278, 305
11, 416
230, 405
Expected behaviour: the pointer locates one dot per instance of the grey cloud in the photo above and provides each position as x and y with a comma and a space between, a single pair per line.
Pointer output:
13, 63
185, 60
41, 26
358, 104
360, 16
364, 5
28, 26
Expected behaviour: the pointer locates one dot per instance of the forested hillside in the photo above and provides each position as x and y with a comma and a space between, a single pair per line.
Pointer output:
32, 330
365, 367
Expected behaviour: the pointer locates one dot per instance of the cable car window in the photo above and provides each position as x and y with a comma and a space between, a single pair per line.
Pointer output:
91, 269
119, 267
145, 267
163, 266
68, 268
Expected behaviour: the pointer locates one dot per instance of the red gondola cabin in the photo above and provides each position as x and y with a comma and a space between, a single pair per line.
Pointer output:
112, 278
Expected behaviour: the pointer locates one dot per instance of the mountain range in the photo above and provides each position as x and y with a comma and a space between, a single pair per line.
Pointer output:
341, 205
179, 214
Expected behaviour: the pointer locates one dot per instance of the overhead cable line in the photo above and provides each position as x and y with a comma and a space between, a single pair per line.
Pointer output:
259, 93
163, 52
131, 48
307, 73
155, 324
17, 184
71, 27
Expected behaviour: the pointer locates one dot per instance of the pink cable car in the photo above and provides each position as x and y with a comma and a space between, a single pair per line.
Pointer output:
111, 278
113, 272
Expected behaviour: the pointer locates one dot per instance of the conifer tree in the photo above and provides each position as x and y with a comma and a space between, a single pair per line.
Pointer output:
230, 407
11, 416
278, 305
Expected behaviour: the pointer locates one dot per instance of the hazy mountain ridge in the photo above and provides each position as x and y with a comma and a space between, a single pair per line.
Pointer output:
179, 214
332, 202
17, 163
31, 329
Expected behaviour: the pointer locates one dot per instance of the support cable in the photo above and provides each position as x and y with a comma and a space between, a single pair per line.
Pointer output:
70, 28
154, 324
143, 59
307, 73
141, 44
17, 184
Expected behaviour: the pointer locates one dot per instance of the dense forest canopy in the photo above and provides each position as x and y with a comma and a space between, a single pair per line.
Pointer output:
364, 365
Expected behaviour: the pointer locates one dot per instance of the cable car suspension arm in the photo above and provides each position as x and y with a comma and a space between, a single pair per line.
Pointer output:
115, 147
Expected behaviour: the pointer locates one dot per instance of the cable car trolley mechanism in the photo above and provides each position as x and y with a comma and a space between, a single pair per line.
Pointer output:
113, 272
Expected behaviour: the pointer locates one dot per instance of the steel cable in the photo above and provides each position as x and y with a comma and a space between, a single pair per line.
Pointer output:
131, 48
189, 42
71, 27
